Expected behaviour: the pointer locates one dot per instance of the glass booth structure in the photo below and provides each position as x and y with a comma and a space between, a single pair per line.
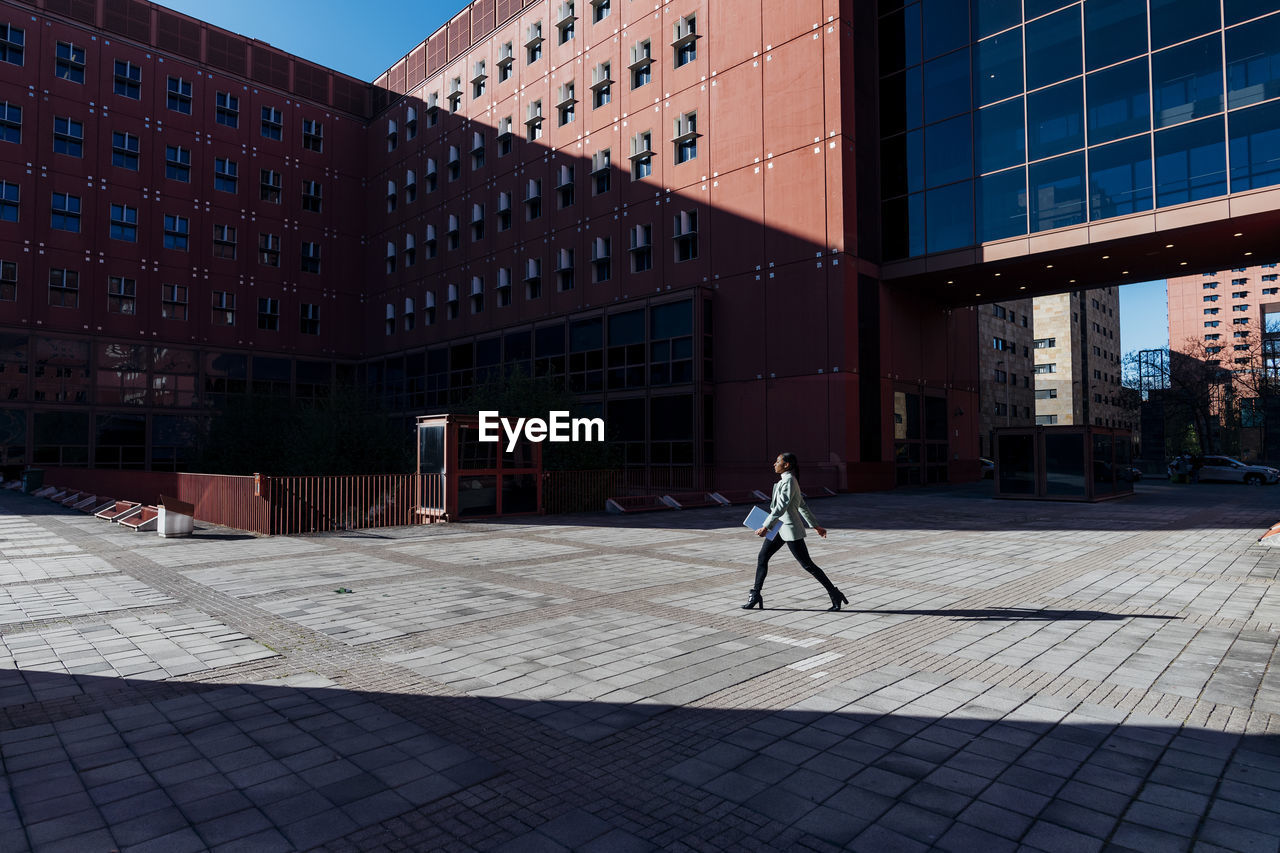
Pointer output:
1064, 463
462, 477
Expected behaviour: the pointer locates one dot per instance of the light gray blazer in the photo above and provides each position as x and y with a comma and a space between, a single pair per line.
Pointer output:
788, 506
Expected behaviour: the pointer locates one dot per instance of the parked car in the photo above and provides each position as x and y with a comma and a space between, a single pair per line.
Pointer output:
1224, 469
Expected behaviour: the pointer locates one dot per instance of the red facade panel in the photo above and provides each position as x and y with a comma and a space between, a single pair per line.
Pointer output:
128, 18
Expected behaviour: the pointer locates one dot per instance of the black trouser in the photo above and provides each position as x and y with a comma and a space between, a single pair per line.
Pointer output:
798, 550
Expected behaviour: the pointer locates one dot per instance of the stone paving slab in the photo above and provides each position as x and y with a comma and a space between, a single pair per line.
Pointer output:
1008, 676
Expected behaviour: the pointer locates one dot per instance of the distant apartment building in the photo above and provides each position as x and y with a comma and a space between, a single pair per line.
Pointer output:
1078, 360
1006, 389
1222, 316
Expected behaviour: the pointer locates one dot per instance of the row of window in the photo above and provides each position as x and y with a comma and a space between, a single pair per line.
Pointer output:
684, 243
640, 72
69, 64
1009, 314
126, 151
1238, 321
122, 298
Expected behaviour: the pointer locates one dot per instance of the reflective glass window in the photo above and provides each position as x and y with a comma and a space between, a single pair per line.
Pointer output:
903, 227
950, 217
946, 86
1119, 102
946, 26
902, 164
1001, 138
1255, 146
992, 16
901, 101
1113, 30
948, 152
1186, 81
1120, 178
1173, 21
1190, 162
1253, 62
1053, 48
1056, 191
1002, 205
997, 67
900, 39
1055, 120
1036, 8
1242, 10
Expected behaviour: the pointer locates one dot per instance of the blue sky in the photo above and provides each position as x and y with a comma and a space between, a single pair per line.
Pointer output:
363, 40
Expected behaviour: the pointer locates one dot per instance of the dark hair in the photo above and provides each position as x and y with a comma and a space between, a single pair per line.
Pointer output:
793, 464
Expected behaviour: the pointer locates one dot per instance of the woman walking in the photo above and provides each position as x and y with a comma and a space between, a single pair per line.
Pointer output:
789, 506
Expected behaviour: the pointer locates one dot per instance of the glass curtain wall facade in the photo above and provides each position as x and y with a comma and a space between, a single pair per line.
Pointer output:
1002, 118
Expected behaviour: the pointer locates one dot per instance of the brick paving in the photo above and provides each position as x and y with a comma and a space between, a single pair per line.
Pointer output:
1008, 676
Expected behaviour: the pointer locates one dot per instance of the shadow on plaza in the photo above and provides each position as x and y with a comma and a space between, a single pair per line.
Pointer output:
993, 614
96, 763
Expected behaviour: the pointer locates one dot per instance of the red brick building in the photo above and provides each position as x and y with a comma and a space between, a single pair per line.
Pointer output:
659, 205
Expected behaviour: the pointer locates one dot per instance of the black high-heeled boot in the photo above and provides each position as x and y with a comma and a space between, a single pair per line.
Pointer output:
756, 600
837, 598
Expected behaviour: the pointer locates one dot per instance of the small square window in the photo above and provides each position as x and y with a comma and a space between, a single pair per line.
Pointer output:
227, 109
272, 123
69, 62
179, 95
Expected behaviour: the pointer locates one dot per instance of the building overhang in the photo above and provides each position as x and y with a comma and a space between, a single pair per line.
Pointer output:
1240, 230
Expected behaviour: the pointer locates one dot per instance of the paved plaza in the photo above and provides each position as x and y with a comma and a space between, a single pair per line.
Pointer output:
1008, 675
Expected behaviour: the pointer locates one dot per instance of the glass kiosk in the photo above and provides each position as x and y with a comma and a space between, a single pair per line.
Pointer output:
462, 477
1064, 463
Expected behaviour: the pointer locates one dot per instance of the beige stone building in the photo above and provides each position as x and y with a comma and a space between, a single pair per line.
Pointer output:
1076, 349
1006, 388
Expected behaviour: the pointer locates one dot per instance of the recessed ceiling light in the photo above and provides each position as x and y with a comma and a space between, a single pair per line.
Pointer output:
1072, 281
1022, 287
1183, 264
1104, 257
997, 275
1124, 272
1239, 234
977, 294
1048, 266
950, 282
1247, 254
1168, 245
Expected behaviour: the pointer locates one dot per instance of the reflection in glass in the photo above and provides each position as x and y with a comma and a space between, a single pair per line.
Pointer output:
1242, 10
946, 86
1016, 461
992, 16
1255, 147
901, 101
902, 227
1001, 138
477, 495
948, 155
1120, 178
1113, 30
950, 217
1186, 81
1064, 463
1055, 120
1190, 162
1002, 205
902, 164
1119, 102
1104, 469
1053, 48
1253, 62
1057, 191
1173, 21
946, 26
997, 67
900, 39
